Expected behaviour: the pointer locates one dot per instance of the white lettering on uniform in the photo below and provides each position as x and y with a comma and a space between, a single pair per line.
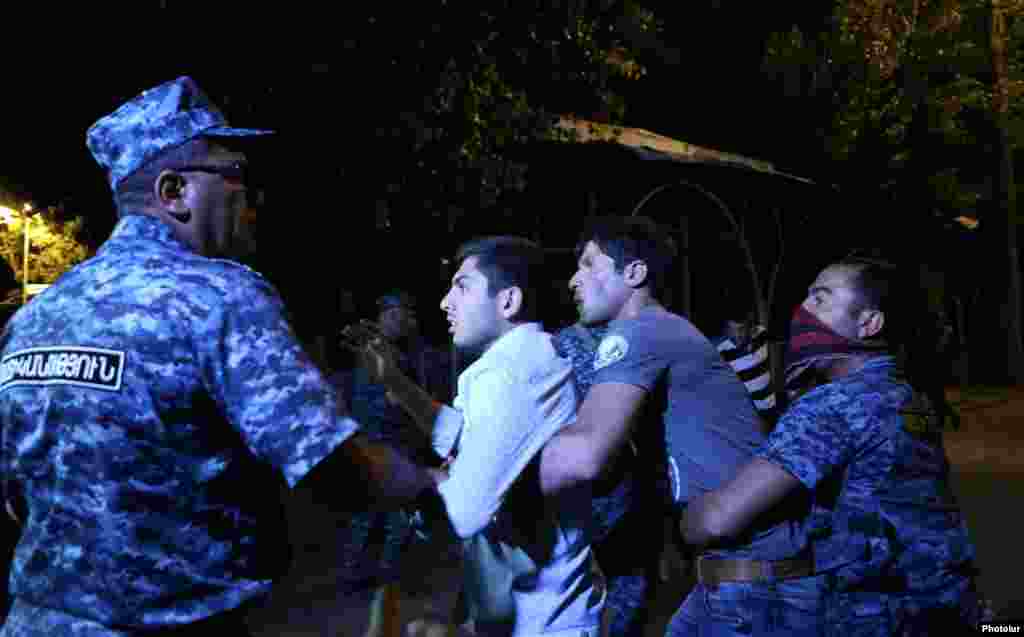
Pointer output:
103, 372
70, 365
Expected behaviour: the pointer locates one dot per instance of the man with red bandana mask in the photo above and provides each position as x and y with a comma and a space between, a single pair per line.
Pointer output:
865, 439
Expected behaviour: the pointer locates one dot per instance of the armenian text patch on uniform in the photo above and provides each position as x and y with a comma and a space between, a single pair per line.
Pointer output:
82, 366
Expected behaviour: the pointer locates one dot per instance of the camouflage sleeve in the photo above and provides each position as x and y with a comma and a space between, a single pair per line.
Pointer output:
570, 347
268, 387
812, 438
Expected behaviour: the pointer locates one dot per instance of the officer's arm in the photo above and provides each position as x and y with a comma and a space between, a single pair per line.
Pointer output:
582, 451
731, 509
365, 475
420, 405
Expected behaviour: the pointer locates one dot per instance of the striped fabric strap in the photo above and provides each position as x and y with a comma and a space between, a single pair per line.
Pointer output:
751, 364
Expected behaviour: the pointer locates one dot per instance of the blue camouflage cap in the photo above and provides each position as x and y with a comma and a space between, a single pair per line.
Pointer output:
158, 119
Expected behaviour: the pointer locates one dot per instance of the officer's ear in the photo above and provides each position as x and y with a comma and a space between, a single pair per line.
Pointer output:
169, 190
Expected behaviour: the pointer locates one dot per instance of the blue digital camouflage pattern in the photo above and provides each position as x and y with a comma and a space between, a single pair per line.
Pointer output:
885, 524
621, 522
580, 350
141, 396
158, 119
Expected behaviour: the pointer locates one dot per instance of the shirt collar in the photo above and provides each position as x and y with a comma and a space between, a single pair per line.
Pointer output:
511, 341
139, 226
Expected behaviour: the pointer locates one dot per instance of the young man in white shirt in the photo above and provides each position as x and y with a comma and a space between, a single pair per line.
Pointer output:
529, 566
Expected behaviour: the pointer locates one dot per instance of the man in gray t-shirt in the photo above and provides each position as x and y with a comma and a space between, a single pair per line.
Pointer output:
711, 429
654, 362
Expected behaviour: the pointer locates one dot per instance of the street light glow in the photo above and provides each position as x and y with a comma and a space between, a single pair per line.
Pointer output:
968, 222
7, 214
27, 207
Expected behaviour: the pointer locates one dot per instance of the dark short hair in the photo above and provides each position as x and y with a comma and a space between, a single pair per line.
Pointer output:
885, 287
135, 191
628, 239
507, 262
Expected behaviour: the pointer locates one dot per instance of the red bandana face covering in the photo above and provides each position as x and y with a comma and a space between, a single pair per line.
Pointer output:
811, 342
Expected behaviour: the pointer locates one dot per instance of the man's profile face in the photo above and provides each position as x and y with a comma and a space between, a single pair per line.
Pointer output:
833, 300
599, 291
217, 196
474, 316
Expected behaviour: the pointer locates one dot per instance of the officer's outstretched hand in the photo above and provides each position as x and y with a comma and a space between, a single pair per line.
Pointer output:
373, 352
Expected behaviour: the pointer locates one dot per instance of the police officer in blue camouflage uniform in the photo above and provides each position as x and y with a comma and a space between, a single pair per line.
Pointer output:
145, 395
865, 438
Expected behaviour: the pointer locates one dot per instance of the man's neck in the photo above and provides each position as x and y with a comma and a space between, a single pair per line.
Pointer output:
639, 301
505, 329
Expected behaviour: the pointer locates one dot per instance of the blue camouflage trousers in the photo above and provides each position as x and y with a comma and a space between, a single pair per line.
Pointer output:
792, 607
881, 615
626, 599
804, 606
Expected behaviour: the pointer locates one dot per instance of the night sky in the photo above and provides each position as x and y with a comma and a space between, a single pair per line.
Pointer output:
46, 160
49, 110
317, 234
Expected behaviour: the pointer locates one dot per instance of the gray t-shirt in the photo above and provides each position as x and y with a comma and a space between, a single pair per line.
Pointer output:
710, 426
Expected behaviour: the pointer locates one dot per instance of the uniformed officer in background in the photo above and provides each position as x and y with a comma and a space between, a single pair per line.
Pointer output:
380, 545
144, 395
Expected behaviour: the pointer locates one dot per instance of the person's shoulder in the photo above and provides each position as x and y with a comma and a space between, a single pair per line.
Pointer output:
638, 326
655, 321
660, 331
224, 284
538, 349
226, 271
876, 385
534, 356
830, 395
857, 398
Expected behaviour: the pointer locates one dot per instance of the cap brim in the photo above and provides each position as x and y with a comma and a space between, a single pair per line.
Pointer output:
235, 132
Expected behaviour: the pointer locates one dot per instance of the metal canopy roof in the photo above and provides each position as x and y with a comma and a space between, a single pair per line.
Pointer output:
652, 146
